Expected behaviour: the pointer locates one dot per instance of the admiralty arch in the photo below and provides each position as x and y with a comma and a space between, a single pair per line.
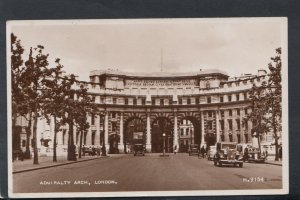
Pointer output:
200, 107
208, 103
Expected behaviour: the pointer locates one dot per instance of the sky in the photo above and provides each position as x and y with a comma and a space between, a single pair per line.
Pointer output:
234, 45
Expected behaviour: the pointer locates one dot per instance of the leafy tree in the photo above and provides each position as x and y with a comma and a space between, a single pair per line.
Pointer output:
32, 76
55, 96
275, 97
257, 116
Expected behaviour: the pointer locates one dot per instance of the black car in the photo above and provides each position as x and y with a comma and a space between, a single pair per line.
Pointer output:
194, 149
139, 149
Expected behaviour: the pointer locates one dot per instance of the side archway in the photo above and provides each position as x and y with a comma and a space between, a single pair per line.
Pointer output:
133, 125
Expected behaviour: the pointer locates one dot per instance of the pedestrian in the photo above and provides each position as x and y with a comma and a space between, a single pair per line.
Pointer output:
280, 153
175, 149
202, 151
266, 154
246, 156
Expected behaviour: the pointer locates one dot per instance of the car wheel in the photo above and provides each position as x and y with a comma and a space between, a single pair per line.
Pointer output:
241, 165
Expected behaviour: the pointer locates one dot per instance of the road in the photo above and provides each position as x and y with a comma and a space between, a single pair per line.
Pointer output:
148, 173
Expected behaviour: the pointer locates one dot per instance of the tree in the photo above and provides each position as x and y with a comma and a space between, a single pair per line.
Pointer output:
258, 115
32, 76
55, 95
274, 97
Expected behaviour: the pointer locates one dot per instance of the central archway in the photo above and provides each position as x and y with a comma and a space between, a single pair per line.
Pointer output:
160, 126
189, 133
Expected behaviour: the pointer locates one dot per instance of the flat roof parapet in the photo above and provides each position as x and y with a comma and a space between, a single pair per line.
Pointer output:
157, 74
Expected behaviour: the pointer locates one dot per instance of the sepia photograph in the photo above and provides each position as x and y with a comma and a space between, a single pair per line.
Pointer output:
147, 107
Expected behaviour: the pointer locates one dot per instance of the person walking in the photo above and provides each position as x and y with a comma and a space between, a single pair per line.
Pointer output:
175, 149
280, 153
202, 151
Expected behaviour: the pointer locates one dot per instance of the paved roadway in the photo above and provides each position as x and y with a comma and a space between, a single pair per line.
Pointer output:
149, 173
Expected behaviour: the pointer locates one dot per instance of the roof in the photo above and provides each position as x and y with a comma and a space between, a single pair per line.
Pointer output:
157, 74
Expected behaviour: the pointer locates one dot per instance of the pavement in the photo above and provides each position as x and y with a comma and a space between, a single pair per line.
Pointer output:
46, 162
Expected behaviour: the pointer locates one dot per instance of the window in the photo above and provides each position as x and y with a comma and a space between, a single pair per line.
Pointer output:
143, 101
180, 101
161, 102
188, 101
126, 101
209, 113
221, 99
208, 99
93, 119
222, 124
134, 101
238, 124
238, 112
102, 100
237, 97
197, 100
229, 98
114, 100
113, 126
230, 113
113, 115
181, 132
222, 113
246, 111
210, 125
93, 137
230, 124
153, 101
93, 99
245, 96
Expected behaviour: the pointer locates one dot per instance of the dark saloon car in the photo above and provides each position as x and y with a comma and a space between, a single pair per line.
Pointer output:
139, 149
194, 150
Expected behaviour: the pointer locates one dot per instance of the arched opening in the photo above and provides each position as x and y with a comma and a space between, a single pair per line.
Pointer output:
189, 133
161, 133
134, 129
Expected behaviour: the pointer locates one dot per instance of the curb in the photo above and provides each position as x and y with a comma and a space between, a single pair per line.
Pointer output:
61, 164
270, 163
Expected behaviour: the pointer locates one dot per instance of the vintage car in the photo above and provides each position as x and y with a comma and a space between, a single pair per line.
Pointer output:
211, 152
227, 154
254, 155
139, 149
194, 150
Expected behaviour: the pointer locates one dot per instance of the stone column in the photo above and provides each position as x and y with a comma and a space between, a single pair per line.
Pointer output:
202, 130
97, 136
121, 143
217, 126
175, 141
106, 132
148, 142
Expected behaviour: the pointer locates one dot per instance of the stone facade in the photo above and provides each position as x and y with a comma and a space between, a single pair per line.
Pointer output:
210, 100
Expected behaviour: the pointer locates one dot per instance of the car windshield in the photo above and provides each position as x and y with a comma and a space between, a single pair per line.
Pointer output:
230, 146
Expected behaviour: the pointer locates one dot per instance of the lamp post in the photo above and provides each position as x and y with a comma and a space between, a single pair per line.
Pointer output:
164, 147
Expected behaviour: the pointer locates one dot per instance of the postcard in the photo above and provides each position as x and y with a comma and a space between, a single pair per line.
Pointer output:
147, 107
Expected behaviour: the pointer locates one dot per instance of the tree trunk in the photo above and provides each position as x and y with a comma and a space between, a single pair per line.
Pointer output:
71, 146
54, 140
28, 133
276, 139
35, 150
80, 144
